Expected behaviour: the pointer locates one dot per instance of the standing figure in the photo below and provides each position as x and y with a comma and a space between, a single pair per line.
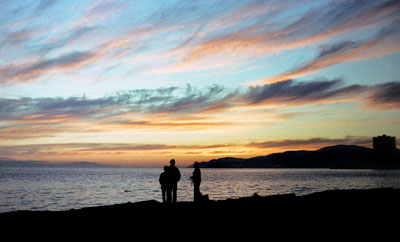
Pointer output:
196, 179
164, 183
174, 175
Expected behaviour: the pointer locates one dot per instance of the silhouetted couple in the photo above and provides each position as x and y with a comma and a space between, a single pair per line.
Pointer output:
169, 182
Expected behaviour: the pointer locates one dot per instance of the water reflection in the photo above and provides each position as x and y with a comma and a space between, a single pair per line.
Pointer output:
66, 188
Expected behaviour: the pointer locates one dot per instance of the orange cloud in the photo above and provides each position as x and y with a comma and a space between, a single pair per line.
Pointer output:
351, 51
157, 154
262, 38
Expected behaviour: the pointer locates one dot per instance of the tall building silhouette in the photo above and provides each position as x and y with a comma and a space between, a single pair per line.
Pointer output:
384, 144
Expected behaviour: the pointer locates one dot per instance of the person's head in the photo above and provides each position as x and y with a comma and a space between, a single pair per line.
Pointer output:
196, 165
172, 162
165, 168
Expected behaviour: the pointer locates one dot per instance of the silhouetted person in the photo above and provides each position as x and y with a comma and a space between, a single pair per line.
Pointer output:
174, 175
196, 179
164, 180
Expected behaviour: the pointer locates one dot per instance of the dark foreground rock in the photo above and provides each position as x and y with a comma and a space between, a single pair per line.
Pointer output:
339, 213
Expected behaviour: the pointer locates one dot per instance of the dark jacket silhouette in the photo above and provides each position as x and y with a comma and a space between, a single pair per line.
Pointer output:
174, 176
164, 182
196, 179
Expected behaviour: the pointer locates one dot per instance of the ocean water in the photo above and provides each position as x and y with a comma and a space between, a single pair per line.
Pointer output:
67, 188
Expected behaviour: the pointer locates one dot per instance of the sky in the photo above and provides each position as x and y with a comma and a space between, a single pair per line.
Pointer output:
137, 83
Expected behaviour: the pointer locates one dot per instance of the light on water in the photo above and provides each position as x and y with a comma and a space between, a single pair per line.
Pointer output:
67, 188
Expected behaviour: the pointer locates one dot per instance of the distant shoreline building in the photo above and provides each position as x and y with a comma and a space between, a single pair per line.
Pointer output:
384, 144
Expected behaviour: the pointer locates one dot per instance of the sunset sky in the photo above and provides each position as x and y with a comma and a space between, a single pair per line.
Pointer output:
141, 82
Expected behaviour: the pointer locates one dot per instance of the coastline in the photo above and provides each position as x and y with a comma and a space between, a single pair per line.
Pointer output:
370, 208
332, 157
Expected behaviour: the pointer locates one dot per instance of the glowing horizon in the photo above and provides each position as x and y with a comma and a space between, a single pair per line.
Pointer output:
141, 82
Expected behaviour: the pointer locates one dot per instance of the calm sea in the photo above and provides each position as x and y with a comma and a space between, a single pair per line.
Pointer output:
67, 188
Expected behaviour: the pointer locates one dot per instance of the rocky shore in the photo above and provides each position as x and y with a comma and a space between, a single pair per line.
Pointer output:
358, 212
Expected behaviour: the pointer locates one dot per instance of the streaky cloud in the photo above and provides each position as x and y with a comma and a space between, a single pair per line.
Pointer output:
65, 40
60, 149
290, 91
174, 100
178, 109
12, 74
312, 27
197, 32
44, 4
384, 42
386, 95
302, 143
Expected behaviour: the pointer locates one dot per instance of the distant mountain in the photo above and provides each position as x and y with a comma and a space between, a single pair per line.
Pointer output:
4, 162
335, 157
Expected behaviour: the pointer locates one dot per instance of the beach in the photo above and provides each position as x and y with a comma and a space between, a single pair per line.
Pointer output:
335, 212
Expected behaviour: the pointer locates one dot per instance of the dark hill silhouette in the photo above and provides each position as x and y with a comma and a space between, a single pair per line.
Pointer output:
335, 157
